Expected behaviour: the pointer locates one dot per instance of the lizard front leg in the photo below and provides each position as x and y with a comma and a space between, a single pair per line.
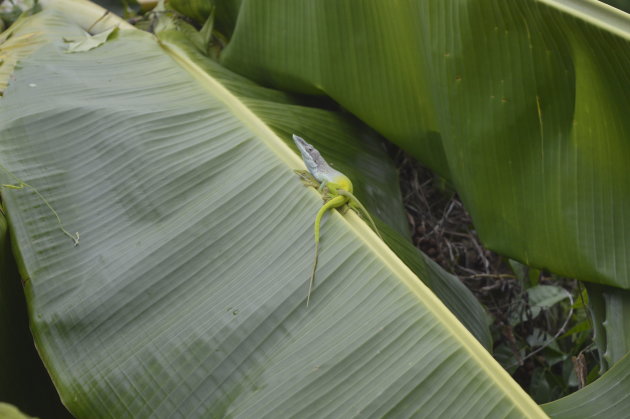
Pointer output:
309, 181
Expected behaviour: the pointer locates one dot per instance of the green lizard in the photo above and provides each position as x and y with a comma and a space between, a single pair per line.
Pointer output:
336, 188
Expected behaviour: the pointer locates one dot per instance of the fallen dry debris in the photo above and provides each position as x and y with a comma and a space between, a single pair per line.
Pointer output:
443, 229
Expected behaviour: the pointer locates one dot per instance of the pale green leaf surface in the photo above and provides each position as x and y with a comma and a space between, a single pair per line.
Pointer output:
544, 296
186, 295
15, 44
346, 144
541, 297
451, 291
607, 397
22, 38
88, 41
520, 103
357, 153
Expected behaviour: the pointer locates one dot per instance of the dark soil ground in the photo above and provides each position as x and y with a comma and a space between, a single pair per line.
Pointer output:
444, 231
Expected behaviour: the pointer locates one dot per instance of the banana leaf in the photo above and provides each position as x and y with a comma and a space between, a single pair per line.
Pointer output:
360, 156
346, 143
185, 296
520, 104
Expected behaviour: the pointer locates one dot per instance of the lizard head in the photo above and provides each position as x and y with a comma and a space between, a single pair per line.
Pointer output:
312, 159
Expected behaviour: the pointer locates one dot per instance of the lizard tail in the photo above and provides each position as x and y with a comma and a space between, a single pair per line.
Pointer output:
318, 220
310, 284
333, 203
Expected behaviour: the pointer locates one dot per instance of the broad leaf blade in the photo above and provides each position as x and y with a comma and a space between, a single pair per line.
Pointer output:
347, 144
520, 103
451, 291
186, 295
356, 152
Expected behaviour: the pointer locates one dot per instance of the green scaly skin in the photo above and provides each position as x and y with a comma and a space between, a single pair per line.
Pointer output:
334, 185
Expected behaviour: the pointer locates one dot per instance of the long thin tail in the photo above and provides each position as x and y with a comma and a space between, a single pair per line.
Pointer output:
310, 284
333, 203
355, 202
318, 220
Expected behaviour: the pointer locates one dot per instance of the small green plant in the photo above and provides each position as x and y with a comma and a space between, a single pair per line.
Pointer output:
544, 338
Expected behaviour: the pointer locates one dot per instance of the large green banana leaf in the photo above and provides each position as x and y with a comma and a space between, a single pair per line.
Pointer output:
498, 74
360, 158
347, 145
521, 104
186, 293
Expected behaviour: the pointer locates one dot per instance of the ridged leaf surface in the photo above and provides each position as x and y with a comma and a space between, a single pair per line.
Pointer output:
185, 297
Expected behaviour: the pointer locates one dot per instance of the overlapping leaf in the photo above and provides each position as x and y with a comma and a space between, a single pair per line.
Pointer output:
186, 293
520, 103
356, 152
